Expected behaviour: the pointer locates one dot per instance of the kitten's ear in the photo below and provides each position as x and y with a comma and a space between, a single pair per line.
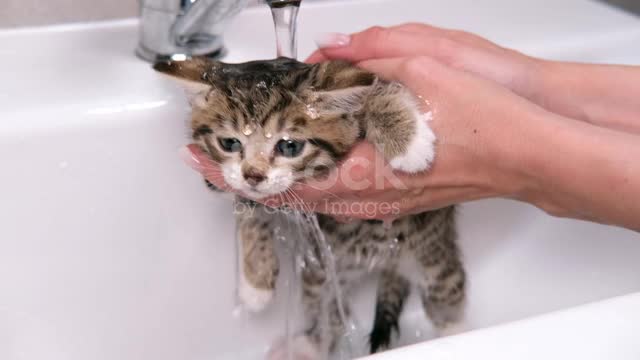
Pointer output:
347, 100
191, 74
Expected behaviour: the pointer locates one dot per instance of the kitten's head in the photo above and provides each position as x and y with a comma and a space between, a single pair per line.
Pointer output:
270, 124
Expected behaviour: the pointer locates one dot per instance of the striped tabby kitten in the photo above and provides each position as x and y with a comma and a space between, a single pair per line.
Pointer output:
272, 123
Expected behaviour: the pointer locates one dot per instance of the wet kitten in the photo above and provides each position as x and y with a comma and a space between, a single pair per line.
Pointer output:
272, 123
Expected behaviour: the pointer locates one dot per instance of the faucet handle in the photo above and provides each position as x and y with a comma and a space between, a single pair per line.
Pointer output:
181, 29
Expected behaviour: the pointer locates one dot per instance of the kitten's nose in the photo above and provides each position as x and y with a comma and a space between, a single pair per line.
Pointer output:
253, 176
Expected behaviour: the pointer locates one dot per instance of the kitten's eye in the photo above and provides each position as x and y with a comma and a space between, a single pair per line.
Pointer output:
230, 144
289, 148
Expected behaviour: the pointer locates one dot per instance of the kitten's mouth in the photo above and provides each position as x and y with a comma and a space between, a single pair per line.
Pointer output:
255, 194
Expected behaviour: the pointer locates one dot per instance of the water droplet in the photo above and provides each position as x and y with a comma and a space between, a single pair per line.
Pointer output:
312, 112
394, 246
248, 130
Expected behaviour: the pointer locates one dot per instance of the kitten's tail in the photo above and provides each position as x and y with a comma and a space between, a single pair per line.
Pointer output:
393, 290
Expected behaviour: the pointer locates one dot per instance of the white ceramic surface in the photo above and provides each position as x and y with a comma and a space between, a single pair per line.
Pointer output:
604, 330
110, 248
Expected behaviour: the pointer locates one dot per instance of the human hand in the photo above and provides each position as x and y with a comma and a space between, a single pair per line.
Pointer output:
478, 124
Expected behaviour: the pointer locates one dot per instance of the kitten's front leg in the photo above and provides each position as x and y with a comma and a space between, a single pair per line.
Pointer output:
398, 127
258, 265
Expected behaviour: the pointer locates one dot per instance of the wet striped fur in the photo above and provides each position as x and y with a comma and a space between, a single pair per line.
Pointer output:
327, 107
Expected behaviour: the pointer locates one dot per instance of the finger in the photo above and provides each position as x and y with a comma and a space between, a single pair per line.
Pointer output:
373, 43
344, 219
353, 210
432, 199
193, 156
363, 176
431, 33
379, 42
348, 209
362, 173
316, 57
419, 28
451, 47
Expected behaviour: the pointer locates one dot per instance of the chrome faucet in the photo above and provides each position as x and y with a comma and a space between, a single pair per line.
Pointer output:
180, 29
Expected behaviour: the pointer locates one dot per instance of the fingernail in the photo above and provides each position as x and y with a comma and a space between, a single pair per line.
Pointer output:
189, 158
329, 40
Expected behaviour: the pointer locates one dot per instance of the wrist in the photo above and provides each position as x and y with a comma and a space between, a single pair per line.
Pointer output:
542, 83
577, 170
561, 88
528, 157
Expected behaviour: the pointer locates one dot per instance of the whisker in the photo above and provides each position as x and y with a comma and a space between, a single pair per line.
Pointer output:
283, 200
301, 203
289, 199
319, 189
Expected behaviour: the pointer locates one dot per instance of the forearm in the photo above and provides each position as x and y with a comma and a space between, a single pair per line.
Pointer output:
577, 170
604, 95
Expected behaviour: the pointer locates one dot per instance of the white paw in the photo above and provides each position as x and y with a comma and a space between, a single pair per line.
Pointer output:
421, 150
300, 348
253, 299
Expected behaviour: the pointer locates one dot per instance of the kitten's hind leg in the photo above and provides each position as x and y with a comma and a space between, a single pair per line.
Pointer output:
398, 128
442, 277
443, 292
258, 265
393, 291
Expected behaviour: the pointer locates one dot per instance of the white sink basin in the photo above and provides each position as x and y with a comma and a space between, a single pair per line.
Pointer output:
110, 248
